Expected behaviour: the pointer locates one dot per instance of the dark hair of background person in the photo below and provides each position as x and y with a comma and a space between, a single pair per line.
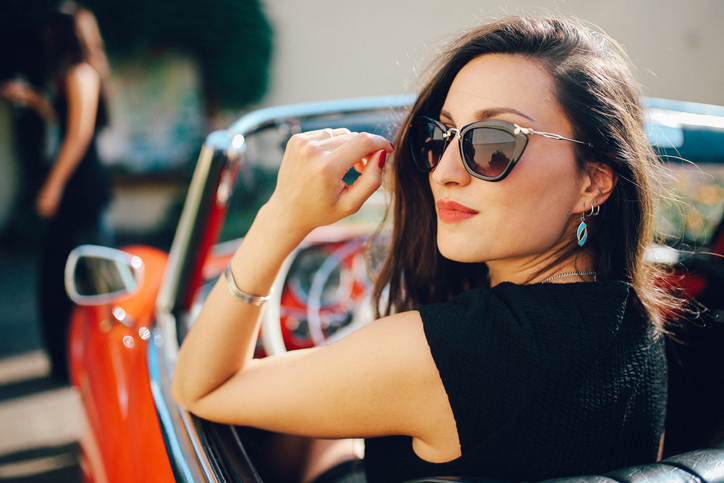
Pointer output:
71, 36
601, 98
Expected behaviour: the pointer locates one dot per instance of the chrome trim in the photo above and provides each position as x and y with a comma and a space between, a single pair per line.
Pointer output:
671, 118
175, 422
262, 117
178, 263
195, 439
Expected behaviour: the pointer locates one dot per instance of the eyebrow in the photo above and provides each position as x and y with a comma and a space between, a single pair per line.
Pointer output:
484, 114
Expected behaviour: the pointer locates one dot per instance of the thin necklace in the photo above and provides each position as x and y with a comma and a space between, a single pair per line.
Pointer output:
570, 274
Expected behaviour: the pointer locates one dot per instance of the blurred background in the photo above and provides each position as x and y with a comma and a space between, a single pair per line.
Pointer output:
182, 68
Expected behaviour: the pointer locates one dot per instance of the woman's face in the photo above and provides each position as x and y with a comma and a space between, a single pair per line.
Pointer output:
513, 224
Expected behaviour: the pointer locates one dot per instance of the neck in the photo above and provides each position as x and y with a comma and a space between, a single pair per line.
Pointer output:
535, 270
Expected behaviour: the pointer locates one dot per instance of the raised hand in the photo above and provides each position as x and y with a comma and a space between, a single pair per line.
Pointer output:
310, 188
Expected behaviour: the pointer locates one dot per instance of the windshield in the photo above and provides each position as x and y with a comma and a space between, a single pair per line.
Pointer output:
264, 152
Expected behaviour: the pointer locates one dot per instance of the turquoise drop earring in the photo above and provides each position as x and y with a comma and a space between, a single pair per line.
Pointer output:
582, 232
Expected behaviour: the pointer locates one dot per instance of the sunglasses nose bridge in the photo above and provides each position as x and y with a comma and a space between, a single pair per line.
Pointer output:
449, 137
458, 162
450, 134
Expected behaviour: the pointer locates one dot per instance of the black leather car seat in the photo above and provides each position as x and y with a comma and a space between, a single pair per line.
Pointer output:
700, 466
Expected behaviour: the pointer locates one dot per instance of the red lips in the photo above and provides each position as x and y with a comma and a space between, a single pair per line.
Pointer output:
451, 211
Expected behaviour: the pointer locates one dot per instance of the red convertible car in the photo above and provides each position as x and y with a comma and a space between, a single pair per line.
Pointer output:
136, 305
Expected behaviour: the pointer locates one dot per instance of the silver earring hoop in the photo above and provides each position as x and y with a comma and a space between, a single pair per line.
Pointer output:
595, 209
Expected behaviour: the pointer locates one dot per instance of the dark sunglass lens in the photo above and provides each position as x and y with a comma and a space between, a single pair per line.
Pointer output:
427, 144
488, 151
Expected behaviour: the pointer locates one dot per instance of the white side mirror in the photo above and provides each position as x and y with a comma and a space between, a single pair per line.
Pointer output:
96, 275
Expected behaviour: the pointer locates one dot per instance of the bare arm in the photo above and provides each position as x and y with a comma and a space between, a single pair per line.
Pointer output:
24, 94
380, 380
83, 87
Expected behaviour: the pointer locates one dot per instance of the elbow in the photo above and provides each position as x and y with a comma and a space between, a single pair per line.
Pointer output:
181, 393
185, 385
177, 391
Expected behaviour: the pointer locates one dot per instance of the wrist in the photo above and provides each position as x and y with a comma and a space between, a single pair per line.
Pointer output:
286, 225
53, 183
267, 244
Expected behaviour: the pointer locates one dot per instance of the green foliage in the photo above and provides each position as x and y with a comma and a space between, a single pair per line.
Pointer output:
231, 39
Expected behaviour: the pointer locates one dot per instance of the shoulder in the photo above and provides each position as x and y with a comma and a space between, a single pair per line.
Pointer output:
393, 347
401, 333
81, 70
82, 86
81, 75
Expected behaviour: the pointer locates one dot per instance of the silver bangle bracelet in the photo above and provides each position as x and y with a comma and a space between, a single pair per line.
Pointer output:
243, 296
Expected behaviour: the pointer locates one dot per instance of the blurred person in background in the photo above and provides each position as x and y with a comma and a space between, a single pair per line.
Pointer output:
73, 196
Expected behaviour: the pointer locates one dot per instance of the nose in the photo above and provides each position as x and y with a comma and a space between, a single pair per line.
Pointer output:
450, 168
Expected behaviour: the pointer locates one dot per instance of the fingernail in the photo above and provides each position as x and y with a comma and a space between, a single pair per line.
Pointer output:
383, 158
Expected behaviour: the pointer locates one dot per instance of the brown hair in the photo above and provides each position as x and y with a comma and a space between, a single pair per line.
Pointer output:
74, 37
599, 95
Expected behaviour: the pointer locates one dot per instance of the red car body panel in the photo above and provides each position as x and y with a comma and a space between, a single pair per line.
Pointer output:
122, 440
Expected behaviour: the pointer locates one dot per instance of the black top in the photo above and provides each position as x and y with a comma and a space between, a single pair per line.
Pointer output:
544, 381
88, 189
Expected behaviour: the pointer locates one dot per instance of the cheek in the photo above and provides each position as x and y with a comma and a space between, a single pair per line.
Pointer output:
542, 195
546, 181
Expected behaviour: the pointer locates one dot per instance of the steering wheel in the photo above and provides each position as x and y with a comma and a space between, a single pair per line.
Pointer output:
334, 273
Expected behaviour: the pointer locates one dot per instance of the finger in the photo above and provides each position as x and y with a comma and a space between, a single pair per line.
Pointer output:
367, 183
324, 139
360, 166
329, 133
358, 147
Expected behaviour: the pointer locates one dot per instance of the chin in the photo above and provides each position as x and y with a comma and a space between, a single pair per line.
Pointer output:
460, 250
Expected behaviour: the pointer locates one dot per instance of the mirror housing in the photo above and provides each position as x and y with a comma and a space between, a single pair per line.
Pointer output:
96, 275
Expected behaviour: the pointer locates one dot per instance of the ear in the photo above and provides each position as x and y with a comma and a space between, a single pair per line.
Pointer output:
598, 183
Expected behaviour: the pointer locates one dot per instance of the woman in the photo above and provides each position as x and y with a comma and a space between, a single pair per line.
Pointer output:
77, 188
522, 333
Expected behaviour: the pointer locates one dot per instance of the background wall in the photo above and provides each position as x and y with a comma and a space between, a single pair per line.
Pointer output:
328, 49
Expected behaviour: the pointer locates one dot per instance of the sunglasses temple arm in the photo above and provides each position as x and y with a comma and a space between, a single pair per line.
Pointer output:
557, 137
